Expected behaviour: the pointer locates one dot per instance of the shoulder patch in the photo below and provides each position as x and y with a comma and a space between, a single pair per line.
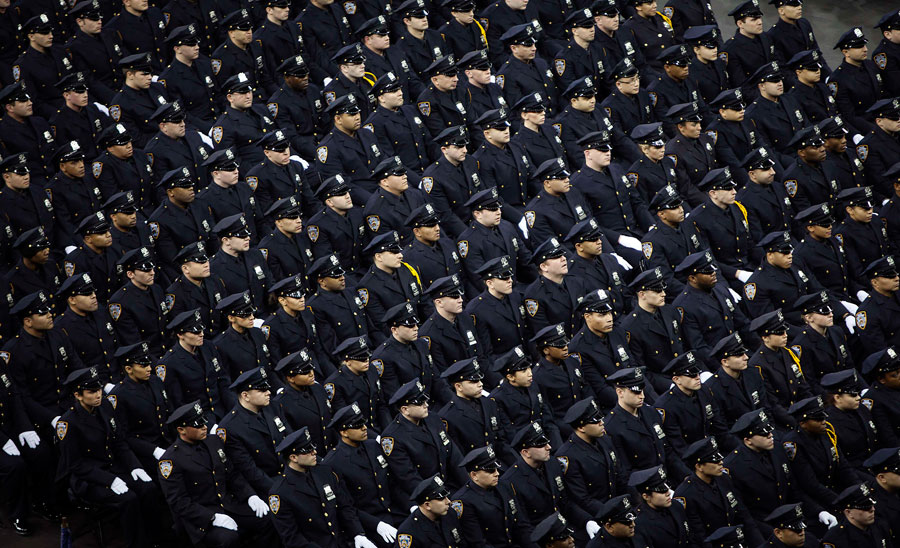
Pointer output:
681, 500
62, 428
4, 355
750, 290
674, 158
165, 468
273, 109
113, 400
217, 133
216, 65
457, 506
424, 108
374, 222
868, 402
427, 184
654, 97
329, 390
560, 66
161, 372
253, 182
563, 463
322, 154
647, 248
115, 310
723, 56
266, 329
96, 169
274, 503
529, 218
387, 445
154, 229
863, 152
791, 187
833, 87
115, 111
313, 232
790, 448
404, 540
222, 433
797, 349
463, 247
500, 80
363, 295
861, 319
880, 60
531, 306
378, 365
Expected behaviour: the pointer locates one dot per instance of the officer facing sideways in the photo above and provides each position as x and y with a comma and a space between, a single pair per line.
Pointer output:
304, 402
659, 522
431, 523
859, 525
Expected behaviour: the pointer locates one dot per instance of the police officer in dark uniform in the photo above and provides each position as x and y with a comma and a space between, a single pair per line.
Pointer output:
73, 197
592, 469
875, 318
691, 149
628, 105
821, 347
778, 117
653, 170
129, 228
815, 97
297, 106
857, 82
649, 31
737, 389
398, 128
195, 473
393, 201
824, 254
141, 405
879, 148
749, 48
88, 326
388, 282
553, 297
173, 147
432, 521
482, 92
675, 88
95, 256
582, 55
558, 375
356, 380
430, 254
863, 235
189, 78
883, 464
338, 227
279, 37
123, 167
292, 327
204, 15
524, 71
195, 288
26, 133
241, 345
807, 179
443, 103
226, 194
23, 206
451, 335
42, 64
463, 33
78, 119
709, 496
881, 369
239, 53
360, 464
845, 163
652, 328
286, 248
142, 30
707, 71
179, 221
242, 124
538, 138
304, 402
503, 163
351, 79
420, 45
339, 311
138, 309
853, 425
134, 105
96, 462
279, 177
33, 271
657, 521
670, 240
95, 51
241, 268
857, 525
325, 25
498, 313
769, 208
734, 136
595, 269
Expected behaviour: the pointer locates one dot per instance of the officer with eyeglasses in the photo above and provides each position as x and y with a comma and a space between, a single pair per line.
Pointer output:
339, 312
242, 346
138, 309
88, 325
856, 433
304, 402
286, 248
653, 329
822, 347
196, 288
293, 327
618, 525
657, 521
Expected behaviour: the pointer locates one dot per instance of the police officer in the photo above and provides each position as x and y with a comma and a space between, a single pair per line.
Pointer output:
292, 327
416, 443
304, 402
595, 269
141, 405
240, 54
537, 138
462, 32
824, 254
347, 150
297, 106
769, 208
524, 71
226, 194
853, 425
815, 97
280, 177
885, 54
121, 168
204, 16
674, 88
338, 310
558, 375
196, 288
653, 170
242, 124
443, 103
339, 226
737, 389
195, 472
883, 464
557, 207
881, 369
707, 72
431, 523
95, 52
652, 328
863, 236
33, 271
431, 255
878, 327
691, 149
749, 48
129, 227
279, 38
497, 312
360, 464
79, 119
393, 201
657, 521
591, 467
88, 326
789, 529
325, 25
821, 347
94, 458
389, 281
670, 240
503, 163
553, 297
709, 497
142, 30
398, 128
778, 117
42, 64
709, 310
23, 206
846, 163
856, 83
808, 180
733, 134
25, 132
174, 147
450, 334
357, 381
483, 93
138, 99
877, 149
95, 256
73, 197
239, 267
242, 346
582, 55
420, 44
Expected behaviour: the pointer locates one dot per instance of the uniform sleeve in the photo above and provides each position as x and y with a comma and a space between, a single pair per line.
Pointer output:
438, 198
695, 522
402, 468
242, 459
179, 500
70, 452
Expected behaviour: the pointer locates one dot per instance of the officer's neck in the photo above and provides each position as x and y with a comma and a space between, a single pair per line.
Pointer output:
77, 311
138, 285
733, 373
820, 329
647, 307
347, 441
706, 478
86, 407
235, 44
599, 334
289, 312
411, 419
184, 60
196, 281
584, 255
240, 330
416, 33
37, 48
424, 241
345, 131
385, 268
190, 348
74, 107
629, 408
764, 95
29, 264
496, 294
446, 314
553, 277
36, 333
584, 437
297, 468
249, 406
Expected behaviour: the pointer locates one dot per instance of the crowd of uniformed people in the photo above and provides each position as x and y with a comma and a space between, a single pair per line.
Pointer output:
599, 273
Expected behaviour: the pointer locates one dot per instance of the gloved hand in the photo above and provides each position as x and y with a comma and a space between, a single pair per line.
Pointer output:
735, 295
592, 528
862, 295
10, 449
622, 262
158, 453
214, 429
118, 487
850, 322
108, 388
388, 533
360, 541
224, 521
29, 438
413, 508
851, 308
54, 421
630, 242
139, 474
259, 507
827, 519
743, 275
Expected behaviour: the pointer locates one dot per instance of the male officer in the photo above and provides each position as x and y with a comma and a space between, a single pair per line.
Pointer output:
350, 79
393, 201
141, 405
22, 205
279, 38
518, 399
241, 345
863, 235
706, 71
209, 497
856, 83
357, 381
361, 466
443, 103
432, 256
808, 179
617, 519
277, 176
883, 464
734, 135
95, 256
339, 312
78, 119
557, 375
33, 271
749, 48
122, 168
675, 88
450, 334
129, 228
142, 29
524, 71
824, 254
240, 54
416, 443
95, 52
692, 150
488, 511
858, 524
431, 522
776, 116
138, 99
503, 163
452, 180
657, 521
286, 249
498, 313
381, 58
737, 389
347, 150
243, 123
138, 309
403, 356
821, 347
846, 163
653, 329
628, 105
304, 402
196, 288
87, 325
852, 422
398, 129
885, 55
535, 134
325, 26
297, 106
42, 64
420, 44
649, 30
591, 467
558, 206
338, 227
292, 327
388, 282
670, 240
769, 208
462, 32
815, 97
74, 198
596, 269
173, 147
94, 459
582, 55
882, 369
879, 328
190, 78
226, 194
253, 429
553, 297
25, 132
240, 268
879, 148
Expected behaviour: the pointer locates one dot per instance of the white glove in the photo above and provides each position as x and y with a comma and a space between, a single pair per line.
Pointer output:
862, 295
622, 262
10, 449
206, 139
119, 487
69, 249
857, 137
592, 528
705, 376
224, 521
413, 508
827, 519
108, 388
30, 438
360, 541
158, 453
139, 474
743, 275
850, 322
214, 430
54, 421
851, 308
630, 242
387, 532
735, 295
259, 507
258, 325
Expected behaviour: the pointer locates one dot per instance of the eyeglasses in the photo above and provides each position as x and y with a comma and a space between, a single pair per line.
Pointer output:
128, 210
660, 488
627, 519
779, 331
490, 208
198, 422
199, 259
528, 42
